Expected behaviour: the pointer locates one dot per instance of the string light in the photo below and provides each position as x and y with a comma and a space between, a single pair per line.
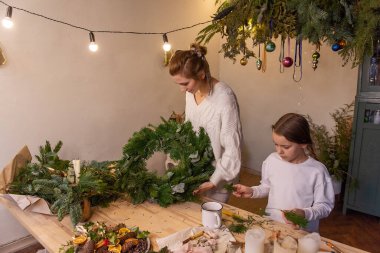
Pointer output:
92, 46
7, 20
167, 47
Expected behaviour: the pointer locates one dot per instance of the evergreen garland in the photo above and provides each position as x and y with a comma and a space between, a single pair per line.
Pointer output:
103, 182
357, 23
48, 180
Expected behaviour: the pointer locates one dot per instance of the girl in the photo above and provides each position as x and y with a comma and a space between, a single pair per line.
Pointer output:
210, 104
292, 178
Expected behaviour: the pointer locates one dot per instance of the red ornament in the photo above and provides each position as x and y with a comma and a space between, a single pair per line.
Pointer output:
287, 62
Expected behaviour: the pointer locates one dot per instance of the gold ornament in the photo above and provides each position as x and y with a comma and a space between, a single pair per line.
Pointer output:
243, 61
2, 57
259, 63
342, 43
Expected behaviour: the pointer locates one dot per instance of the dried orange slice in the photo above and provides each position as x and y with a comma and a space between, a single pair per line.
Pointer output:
114, 249
80, 239
123, 231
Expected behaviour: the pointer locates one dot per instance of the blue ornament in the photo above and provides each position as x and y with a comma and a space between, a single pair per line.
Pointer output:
270, 46
335, 47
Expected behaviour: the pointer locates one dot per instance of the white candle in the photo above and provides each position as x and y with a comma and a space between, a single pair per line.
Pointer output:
309, 243
76, 165
254, 240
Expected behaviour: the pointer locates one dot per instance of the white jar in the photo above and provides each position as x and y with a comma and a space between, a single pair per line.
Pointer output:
376, 117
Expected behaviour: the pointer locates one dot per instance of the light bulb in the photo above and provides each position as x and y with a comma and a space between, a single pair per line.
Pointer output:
93, 46
7, 20
167, 47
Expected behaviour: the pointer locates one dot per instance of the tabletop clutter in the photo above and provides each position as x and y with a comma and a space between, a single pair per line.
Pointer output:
214, 236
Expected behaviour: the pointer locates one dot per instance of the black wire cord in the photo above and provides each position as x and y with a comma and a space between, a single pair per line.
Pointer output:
104, 31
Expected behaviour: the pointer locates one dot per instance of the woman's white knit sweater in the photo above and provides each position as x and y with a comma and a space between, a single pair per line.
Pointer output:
218, 114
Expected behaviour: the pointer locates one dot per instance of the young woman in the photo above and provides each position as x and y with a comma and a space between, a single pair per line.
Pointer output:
210, 104
291, 177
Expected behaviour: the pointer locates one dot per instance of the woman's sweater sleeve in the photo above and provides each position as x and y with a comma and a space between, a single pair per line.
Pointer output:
228, 166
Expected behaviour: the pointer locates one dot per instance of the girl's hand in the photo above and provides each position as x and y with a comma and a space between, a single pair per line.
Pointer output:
242, 191
298, 212
203, 187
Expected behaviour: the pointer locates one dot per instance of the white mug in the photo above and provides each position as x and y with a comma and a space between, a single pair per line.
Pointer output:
254, 240
212, 214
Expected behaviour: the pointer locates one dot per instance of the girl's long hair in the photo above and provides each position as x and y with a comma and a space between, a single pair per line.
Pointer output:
295, 128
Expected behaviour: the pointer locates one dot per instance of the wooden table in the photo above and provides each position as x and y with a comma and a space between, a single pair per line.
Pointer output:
159, 221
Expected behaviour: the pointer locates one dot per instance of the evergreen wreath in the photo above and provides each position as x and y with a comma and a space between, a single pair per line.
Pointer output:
192, 151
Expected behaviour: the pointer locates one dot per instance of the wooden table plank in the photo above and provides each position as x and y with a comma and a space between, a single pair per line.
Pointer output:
159, 221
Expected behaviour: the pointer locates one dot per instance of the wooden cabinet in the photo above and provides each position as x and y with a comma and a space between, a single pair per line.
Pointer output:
365, 147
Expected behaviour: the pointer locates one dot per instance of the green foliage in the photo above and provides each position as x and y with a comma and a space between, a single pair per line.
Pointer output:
333, 149
43, 180
192, 151
229, 187
49, 158
239, 21
103, 182
238, 228
296, 219
240, 224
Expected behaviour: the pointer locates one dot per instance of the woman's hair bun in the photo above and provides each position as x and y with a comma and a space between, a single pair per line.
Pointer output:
201, 51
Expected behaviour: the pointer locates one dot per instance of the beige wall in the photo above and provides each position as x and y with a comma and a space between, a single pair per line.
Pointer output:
264, 97
53, 88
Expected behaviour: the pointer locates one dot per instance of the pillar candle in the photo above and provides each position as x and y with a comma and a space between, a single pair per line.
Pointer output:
254, 240
309, 243
76, 165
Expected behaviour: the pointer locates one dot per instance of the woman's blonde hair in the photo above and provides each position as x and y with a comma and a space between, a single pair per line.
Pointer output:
190, 63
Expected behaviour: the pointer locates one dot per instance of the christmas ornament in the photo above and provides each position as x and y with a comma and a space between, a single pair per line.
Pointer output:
335, 47
243, 61
298, 60
3, 60
258, 64
287, 62
270, 46
281, 56
264, 62
315, 57
342, 43
258, 61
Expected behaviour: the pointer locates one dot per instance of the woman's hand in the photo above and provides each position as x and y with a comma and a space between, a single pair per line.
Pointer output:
203, 187
242, 191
